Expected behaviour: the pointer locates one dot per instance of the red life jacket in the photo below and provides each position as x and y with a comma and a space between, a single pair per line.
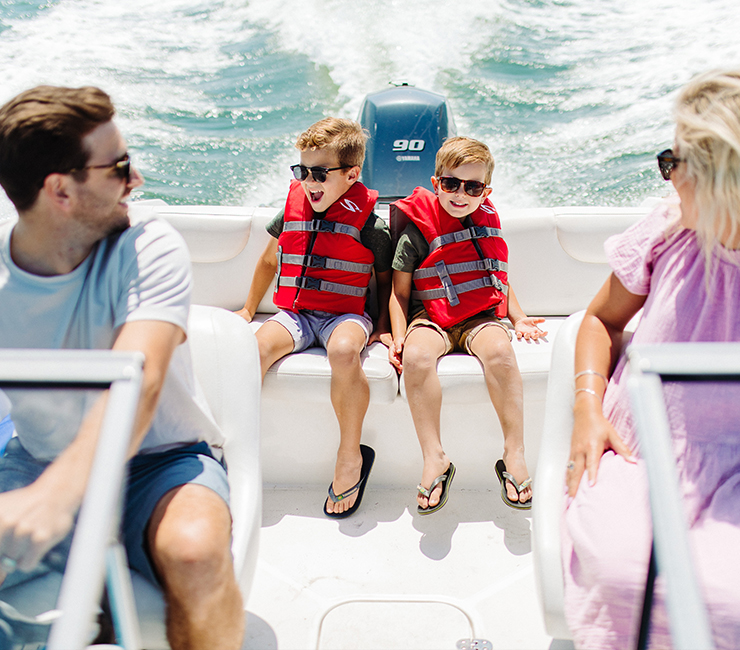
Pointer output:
322, 264
456, 281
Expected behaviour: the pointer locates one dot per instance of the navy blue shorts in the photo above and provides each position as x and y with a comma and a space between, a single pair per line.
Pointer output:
150, 477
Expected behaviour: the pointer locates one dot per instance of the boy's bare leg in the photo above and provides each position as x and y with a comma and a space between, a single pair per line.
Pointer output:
504, 381
350, 396
274, 343
189, 538
421, 350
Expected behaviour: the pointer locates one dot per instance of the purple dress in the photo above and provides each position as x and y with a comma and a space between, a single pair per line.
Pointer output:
606, 530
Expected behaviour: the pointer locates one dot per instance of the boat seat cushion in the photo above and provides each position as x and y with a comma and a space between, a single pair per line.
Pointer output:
461, 375
307, 375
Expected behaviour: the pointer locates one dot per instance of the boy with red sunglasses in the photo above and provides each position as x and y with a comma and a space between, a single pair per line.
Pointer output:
324, 247
450, 275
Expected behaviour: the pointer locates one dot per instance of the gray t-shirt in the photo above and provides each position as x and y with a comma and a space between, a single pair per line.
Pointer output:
140, 274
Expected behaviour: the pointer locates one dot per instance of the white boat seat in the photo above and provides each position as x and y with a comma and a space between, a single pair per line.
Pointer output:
547, 508
226, 364
307, 376
461, 375
557, 264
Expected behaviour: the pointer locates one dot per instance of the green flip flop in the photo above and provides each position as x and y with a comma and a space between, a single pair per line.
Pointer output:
504, 476
446, 479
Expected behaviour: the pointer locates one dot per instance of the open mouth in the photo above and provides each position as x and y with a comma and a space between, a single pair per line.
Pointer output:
316, 196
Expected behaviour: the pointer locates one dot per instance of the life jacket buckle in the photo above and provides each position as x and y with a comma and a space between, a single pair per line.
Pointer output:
447, 284
324, 226
311, 283
279, 263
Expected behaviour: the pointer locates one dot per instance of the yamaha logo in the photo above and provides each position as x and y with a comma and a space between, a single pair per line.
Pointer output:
488, 208
349, 205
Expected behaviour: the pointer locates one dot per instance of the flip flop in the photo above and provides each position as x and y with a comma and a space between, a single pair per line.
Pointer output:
445, 478
368, 458
504, 476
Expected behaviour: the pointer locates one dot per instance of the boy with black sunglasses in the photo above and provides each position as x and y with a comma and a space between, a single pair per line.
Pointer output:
450, 268
325, 244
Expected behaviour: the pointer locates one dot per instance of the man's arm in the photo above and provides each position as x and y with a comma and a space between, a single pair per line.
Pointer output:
33, 519
264, 272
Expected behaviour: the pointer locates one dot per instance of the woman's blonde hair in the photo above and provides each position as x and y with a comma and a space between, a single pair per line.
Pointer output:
708, 139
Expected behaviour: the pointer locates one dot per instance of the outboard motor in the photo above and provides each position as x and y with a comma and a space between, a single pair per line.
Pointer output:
407, 126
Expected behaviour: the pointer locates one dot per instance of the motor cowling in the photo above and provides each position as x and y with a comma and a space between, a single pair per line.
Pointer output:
407, 126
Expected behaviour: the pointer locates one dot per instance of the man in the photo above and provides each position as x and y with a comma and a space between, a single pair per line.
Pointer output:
75, 273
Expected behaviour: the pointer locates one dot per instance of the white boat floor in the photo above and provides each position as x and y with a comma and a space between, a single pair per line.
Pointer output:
388, 577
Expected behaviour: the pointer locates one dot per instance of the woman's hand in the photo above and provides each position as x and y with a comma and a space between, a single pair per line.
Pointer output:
592, 435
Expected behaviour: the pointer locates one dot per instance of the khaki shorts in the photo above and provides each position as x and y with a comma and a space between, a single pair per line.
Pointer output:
458, 337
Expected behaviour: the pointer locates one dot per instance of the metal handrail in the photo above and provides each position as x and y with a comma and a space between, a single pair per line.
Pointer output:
99, 517
648, 364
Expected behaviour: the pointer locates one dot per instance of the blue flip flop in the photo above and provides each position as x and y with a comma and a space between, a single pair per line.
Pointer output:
446, 480
368, 458
504, 476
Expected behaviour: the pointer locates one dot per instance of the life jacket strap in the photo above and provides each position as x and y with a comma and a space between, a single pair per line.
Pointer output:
323, 262
320, 225
315, 284
474, 232
463, 287
487, 264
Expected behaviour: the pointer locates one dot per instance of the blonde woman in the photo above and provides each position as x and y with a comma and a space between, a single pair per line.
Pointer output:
682, 266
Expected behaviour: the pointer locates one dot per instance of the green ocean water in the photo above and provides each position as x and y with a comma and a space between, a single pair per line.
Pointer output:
573, 97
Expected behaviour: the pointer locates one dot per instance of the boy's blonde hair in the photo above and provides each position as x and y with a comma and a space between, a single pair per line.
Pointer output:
344, 137
462, 151
708, 139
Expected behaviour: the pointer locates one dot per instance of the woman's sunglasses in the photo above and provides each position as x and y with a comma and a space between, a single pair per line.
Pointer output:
121, 168
667, 162
300, 172
450, 184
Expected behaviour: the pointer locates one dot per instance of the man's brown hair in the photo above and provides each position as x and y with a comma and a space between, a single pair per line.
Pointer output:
344, 137
459, 151
41, 133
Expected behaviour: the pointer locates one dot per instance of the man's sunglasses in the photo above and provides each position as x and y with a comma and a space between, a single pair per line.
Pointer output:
121, 168
450, 184
667, 162
300, 172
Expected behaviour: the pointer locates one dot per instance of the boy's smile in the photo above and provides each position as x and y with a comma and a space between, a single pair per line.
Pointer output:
323, 195
458, 204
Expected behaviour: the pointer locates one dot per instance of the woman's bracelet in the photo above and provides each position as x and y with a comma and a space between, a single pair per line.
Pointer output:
591, 372
590, 392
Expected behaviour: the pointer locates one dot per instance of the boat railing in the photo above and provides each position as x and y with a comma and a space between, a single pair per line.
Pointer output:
649, 366
94, 549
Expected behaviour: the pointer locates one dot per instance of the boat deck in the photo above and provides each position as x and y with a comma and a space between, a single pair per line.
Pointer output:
388, 577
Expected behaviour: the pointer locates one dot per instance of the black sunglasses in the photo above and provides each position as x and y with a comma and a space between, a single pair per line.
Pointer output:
121, 168
451, 184
667, 162
300, 172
